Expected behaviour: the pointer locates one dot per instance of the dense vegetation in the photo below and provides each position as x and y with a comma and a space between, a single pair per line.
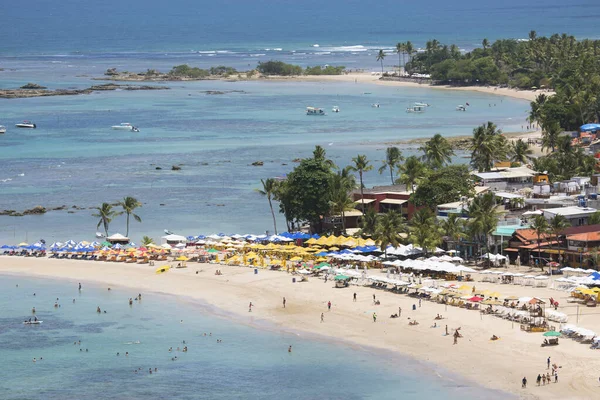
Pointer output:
327, 70
185, 71
280, 68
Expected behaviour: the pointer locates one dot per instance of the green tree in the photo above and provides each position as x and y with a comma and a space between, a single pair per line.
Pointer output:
541, 227
380, 56
368, 222
129, 204
520, 152
483, 219
445, 185
485, 44
147, 240
341, 200
393, 157
453, 228
424, 230
360, 164
400, 49
437, 151
269, 187
488, 145
411, 172
594, 219
388, 229
550, 135
106, 215
556, 226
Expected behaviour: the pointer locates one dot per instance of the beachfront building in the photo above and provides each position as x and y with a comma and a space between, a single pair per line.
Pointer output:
503, 179
576, 215
386, 198
117, 238
173, 240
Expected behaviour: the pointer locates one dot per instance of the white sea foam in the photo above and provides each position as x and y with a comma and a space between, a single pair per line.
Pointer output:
207, 52
257, 55
315, 45
22, 174
5, 180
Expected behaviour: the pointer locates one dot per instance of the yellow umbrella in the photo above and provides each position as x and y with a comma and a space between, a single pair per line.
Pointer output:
311, 241
334, 248
321, 259
296, 259
23, 244
322, 240
464, 287
181, 258
494, 294
162, 269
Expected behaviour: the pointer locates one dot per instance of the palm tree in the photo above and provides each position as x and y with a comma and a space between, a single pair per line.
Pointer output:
485, 43
106, 215
541, 227
453, 228
341, 185
409, 49
437, 151
521, 152
400, 50
488, 145
269, 186
424, 232
483, 218
380, 56
550, 136
557, 224
319, 154
393, 156
411, 172
368, 222
360, 165
129, 204
147, 240
388, 230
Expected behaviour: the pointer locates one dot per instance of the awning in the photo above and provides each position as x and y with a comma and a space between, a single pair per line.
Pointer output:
393, 201
542, 244
366, 201
511, 249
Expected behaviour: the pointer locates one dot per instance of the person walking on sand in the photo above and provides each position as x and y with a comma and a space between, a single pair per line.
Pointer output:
419, 303
373, 298
79, 286
555, 376
354, 297
329, 305
538, 380
322, 317
524, 383
446, 330
284, 302
250, 307
548, 363
399, 311
544, 379
374, 317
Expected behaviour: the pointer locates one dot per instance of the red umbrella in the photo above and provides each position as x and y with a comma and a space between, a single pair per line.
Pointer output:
476, 299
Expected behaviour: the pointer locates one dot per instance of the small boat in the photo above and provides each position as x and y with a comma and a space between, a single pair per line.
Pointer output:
335, 109
32, 322
2, 129
423, 104
375, 105
415, 109
26, 124
314, 111
461, 108
125, 126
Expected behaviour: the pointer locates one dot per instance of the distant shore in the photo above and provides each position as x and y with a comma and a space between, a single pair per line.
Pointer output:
499, 365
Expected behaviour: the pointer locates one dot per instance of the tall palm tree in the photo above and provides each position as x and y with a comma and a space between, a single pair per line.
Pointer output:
368, 222
341, 201
360, 164
319, 154
393, 156
483, 218
106, 215
557, 224
437, 151
380, 56
488, 145
409, 49
269, 186
541, 227
129, 204
452, 228
485, 43
424, 230
520, 152
411, 172
388, 230
550, 134
400, 50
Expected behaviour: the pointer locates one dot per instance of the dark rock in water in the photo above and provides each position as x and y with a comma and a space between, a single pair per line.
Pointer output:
175, 168
283, 164
111, 72
220, 205
258, 163
296, 160
35, 210
63, 207
161, 204
7, 212
204, 163
70, 212
33, 86
16, 214
159, 168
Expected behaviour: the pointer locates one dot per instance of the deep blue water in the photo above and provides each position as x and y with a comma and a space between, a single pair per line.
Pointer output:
249, 363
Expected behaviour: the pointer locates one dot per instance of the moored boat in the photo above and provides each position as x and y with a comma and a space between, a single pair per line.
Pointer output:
125, 126
461, 108
38, 322
335, 109
26, 124
2, 129
422, 104
415, 109
314, 111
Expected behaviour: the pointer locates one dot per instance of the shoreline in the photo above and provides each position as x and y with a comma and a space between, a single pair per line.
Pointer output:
238, 285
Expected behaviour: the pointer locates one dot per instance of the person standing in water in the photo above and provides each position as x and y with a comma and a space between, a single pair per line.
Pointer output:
80, 286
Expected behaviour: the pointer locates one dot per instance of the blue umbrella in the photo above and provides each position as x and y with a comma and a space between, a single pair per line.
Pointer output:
589, 127
5, 246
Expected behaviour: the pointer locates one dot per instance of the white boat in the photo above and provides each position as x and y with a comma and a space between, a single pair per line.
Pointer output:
375, 105
461, 108
314, 111
2, 129
423, 104
335, 109
32, 322
415, 109
26, 124
125, 126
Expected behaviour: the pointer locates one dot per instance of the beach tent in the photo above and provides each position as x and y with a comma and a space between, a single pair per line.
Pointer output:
589, 128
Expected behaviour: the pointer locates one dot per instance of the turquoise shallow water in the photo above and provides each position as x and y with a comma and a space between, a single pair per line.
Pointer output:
249, 363
74, 158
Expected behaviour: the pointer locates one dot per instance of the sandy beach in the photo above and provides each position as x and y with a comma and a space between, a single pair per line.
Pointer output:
496, 364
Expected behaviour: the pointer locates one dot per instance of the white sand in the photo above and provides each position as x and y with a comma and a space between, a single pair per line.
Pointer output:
500, 364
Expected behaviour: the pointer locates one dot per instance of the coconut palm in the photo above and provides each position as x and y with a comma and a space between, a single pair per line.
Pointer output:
411, 172
129, 204
488, 145
147, 240
424, 230
556, 225
437, 151
452, 227
550, 136
541, 227
380, 56
388, 230
269, 186
106, 215
319, 154
360, 164
400, 50
368, 222
341, 201
485, 43
483, 218
409, 49
393, 156
520, 152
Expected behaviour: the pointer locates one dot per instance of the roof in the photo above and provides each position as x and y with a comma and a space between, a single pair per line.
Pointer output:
452, 206
174, 238
507, 173
542, 244
393, 201
506, 195
117, 236
585, 237
573, 230
366, 201
570, 211
353, 213
527, 235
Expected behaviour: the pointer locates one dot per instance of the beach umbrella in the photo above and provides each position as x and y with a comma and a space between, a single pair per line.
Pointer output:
182, 258
23, 244
105, 243
212, 251
341, 277
162, 269
552, 334
475, 299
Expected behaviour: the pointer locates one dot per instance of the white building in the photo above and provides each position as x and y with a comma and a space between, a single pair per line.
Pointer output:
173, 240
577, 216
506, 178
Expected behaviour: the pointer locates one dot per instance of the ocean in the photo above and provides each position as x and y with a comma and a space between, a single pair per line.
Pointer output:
252, 361
73, 158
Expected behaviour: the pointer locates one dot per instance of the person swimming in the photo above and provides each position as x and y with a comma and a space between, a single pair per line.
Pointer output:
98, 310
33, 310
